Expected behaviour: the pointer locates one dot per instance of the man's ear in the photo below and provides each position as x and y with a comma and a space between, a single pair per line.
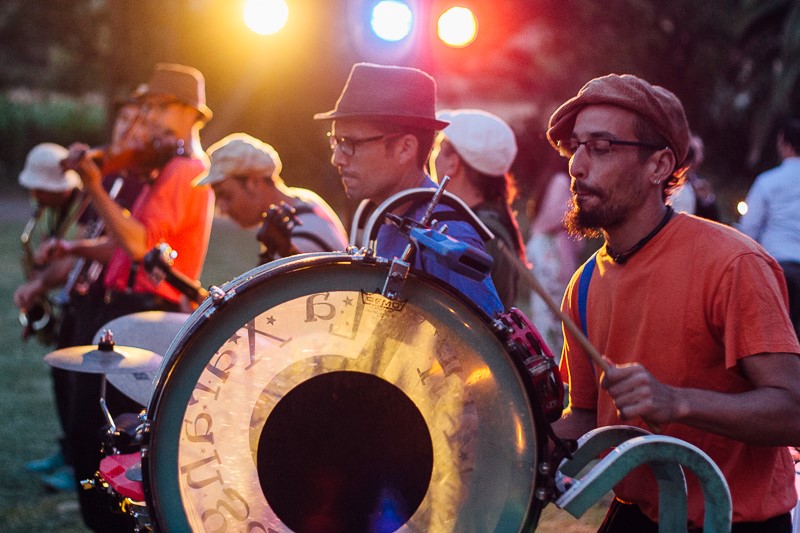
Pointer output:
452, 162
405, 148
661, 165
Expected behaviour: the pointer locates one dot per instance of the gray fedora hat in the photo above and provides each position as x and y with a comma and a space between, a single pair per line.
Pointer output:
186, 84
392, 94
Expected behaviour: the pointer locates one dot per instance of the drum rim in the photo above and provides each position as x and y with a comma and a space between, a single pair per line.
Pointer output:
264, 273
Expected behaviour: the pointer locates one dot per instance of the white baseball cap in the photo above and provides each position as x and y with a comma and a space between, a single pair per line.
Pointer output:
483, 140
240, 154
42, 170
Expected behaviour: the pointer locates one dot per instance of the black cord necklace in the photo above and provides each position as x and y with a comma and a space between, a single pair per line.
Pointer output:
623, 257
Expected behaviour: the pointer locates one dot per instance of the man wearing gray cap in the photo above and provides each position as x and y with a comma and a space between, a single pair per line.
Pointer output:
245, 174
477, 150
382, 131
690, 315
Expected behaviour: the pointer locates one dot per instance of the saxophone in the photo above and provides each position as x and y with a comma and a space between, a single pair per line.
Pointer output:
39, 319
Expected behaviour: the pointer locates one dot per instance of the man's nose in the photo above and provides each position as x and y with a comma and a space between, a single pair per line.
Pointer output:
338, 158
578, 163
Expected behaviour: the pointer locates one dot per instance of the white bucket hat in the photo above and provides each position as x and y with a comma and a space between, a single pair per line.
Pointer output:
483, 140
42, 170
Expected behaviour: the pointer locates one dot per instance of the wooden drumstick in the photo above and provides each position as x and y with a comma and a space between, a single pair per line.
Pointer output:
533, 282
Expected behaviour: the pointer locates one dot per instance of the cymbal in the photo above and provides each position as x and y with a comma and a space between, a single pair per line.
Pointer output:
104, 359
152, 330
138, 386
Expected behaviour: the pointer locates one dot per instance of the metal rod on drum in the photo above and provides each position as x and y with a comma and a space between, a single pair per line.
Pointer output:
570, 324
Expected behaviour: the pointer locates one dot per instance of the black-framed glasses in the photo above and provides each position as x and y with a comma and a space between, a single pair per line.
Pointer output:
348, 146
594, 147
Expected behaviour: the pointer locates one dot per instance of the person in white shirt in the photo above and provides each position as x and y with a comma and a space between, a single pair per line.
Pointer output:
773, 212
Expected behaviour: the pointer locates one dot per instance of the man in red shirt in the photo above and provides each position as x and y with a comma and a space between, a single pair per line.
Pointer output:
691, 315
168, 209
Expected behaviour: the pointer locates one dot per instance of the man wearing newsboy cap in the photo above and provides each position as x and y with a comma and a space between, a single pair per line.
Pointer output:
690, 315
245, 174
382, 131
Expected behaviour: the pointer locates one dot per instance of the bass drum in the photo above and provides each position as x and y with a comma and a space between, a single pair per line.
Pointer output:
305, 401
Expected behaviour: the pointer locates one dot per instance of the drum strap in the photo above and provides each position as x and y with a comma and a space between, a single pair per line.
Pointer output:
583, 292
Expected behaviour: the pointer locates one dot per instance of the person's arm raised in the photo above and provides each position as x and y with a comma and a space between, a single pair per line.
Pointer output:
129, 233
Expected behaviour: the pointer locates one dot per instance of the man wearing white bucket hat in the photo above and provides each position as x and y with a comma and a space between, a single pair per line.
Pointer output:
57, 196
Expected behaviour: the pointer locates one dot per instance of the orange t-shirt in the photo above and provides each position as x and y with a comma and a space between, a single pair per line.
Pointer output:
687, 306
173, 212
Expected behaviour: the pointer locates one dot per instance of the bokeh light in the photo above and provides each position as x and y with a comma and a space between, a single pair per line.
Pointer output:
392, 20
266, 17
457, 27
741, 207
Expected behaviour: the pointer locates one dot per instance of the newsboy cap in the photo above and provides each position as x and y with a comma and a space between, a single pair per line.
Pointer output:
240, 154
658, 105
391, 94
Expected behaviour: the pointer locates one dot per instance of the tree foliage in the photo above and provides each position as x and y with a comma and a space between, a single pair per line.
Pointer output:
734, 64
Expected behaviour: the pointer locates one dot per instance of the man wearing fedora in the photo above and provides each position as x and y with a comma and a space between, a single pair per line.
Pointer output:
476, 150
168, 209
690, 315
382, 131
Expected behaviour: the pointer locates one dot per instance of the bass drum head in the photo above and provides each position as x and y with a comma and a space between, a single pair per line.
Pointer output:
308, 402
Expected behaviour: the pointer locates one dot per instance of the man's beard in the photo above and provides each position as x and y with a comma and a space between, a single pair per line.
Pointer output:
584, 223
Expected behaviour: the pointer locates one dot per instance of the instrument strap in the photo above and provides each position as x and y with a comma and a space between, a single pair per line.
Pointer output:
583, 293
583, 290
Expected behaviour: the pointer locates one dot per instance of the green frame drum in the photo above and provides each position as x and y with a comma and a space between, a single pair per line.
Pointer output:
300, 399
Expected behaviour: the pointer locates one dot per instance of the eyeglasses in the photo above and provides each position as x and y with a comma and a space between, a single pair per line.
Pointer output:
348, 146
597, 147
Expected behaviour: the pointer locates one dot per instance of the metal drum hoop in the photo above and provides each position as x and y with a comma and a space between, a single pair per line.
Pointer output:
510, 422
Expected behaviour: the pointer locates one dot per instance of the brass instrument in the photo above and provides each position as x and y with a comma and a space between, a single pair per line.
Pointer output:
39, 319
84, 273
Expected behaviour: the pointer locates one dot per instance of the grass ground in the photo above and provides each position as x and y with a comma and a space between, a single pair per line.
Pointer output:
29, 427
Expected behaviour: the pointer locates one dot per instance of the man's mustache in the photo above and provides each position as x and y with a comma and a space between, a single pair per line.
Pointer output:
580, 188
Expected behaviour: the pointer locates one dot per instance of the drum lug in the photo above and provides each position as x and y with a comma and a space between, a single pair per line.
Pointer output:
501, 329
143, 431
398, 272
544, 468
218, 296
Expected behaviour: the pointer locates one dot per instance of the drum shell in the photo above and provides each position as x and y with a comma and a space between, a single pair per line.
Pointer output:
271, 286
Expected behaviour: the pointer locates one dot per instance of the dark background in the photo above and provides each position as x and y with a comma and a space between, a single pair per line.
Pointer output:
734, 63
